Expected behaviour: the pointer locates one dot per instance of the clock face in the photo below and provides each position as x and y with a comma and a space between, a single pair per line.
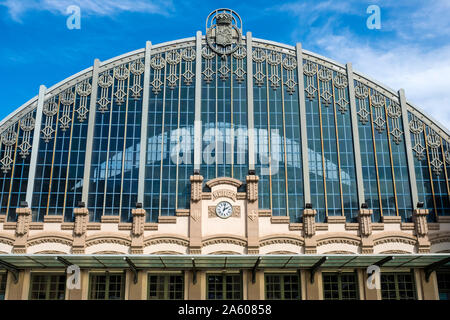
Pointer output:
224, 209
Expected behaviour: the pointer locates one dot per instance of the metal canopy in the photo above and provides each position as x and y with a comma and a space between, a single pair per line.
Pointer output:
205, 262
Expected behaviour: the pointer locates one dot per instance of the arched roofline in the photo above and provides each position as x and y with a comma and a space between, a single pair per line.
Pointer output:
58, 87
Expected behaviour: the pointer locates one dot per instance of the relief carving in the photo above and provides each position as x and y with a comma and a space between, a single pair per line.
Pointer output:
224, 194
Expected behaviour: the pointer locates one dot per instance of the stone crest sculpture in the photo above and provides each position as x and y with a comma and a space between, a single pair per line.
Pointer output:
223, 31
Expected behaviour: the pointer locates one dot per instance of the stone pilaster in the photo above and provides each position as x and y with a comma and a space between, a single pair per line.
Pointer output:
252, 215
79, 230
137, 231
365, 230
195, 220
309, 230
22, 229
421, 229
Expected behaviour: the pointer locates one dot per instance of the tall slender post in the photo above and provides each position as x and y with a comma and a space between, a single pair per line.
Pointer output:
198, 104
90, 132
355, 132
250, 115
144, 123
35, 147
303, 129
409, 155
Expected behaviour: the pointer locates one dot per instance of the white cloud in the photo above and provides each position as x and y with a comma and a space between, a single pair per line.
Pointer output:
17, 9
412, 51
424, 74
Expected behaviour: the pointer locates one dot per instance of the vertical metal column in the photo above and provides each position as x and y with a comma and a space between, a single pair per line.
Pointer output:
198, 104
35, 147
250, 113
355, 133
144, 123
303, 129
90, 132
409, 155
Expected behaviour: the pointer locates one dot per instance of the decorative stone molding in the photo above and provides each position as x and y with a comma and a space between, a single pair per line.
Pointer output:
439, 237
81, 221
420, 222
281, 239
365, 222
391, 219
279, 219
110, 219
309, 222
407, 226
53, 219
235, 214
394, 237
295, 226
377, 226
9, 225
252, 188
150, 226
252, 251
224, 240
22, 229
23, 221
196, 187
166, 239
342, 239
50, 238
223, 180
195, 251
443, 219
241, 196
36, 226
336, 219
7, 240
350, 226
138, 222
182, 212
125, 226
206, 196
94, 226
167, 219
67, 226
265, 213
2, 218
108, 238
434, 226
224, 193
321, 226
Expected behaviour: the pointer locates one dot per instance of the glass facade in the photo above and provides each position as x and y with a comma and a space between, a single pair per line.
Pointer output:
116, 130
224, 287
106, 286
48, 287
165, 287
443, 280
282, 287
340, 286
2, 285
397, 286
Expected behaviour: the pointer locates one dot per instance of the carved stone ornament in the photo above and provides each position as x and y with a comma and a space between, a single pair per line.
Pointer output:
309, 223
420, 222
236, 212
223, 31
23, 221
81, 215
196, 188
138, 222
365, 222
252, 188
224, 194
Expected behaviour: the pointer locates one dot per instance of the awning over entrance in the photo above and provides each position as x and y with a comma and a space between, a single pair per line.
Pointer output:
204, 262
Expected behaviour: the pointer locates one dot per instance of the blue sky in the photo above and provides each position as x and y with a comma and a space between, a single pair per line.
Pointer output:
410, 51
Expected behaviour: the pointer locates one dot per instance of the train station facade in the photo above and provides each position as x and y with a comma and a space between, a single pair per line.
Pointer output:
223, 166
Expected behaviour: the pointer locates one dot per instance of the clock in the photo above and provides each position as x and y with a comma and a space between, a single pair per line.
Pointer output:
224, 209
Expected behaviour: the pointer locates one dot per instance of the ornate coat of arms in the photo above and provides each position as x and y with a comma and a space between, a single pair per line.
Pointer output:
223, 31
